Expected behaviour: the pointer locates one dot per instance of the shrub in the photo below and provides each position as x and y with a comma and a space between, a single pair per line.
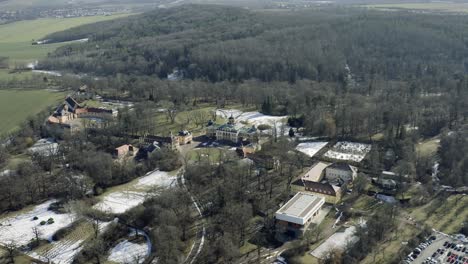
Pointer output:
263, 127
50, 221
35, 218
62, 232
43, 222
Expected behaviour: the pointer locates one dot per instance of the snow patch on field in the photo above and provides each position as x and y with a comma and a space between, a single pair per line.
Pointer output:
19, 229
156, 178
64, 252
254, 118
345, 150
311, 148
120, 202
128, 252
339, 240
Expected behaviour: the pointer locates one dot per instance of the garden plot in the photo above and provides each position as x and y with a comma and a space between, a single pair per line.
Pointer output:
345, 150
254, 118
128, 252
134, 193
18, 229
311, 148
339, 240
61, 252
65, 250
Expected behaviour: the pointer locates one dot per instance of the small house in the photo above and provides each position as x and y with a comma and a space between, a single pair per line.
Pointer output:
124, 151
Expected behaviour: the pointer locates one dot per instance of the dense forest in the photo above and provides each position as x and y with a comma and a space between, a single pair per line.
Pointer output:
219, 43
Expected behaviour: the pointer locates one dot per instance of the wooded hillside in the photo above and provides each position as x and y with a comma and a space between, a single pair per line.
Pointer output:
224, 43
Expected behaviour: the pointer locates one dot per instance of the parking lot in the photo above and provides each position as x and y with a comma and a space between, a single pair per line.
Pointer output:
440, 249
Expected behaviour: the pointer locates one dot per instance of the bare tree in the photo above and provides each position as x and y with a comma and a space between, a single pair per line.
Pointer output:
36, 234
12, 251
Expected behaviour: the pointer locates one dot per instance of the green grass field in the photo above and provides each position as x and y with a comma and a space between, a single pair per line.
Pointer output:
15, 43
435, 7
428, 148
444, 215
17, 105
16, 38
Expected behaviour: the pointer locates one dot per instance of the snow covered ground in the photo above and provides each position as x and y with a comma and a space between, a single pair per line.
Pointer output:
61, 253
19, 229
156, 178
254, 118
128, 252
338, 240
120, 201
311, 148
345, 150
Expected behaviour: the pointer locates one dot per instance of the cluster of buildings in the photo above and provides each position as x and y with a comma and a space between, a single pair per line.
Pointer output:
172, 141
67, 113
323, 183
154, 143
328, 180
232, 132
245, 137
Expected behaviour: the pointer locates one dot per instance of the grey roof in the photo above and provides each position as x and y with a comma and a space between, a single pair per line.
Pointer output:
72, 102
340, 166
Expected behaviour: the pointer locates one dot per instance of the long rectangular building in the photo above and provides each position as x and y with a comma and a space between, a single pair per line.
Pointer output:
298, 212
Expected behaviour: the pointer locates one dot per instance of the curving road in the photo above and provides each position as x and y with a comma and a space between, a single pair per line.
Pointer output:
200, 224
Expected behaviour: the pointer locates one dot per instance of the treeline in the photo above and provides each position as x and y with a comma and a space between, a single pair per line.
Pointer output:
453, 158
223, 43
166, 218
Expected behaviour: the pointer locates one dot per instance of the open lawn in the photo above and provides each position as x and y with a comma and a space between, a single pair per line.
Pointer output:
6, 76
428, 148
16, 38
388, 250
432, 7
445, 215
17, 105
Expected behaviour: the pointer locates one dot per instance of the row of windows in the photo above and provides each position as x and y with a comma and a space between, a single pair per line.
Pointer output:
319, 191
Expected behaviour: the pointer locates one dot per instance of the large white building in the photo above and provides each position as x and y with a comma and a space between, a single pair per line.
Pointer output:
232, 132
298, 212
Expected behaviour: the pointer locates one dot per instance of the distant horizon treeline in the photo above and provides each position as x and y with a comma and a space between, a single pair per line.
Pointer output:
218, 43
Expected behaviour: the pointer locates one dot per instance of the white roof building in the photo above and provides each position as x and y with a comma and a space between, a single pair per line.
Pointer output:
300, 209
315, 173
44, 147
